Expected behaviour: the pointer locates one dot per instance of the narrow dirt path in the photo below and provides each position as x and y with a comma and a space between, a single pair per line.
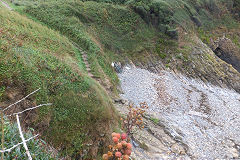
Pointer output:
87, 65
5, 5
105, 82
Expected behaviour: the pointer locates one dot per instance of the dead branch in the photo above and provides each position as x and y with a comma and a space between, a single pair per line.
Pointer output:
10, 149
23, 139
48, 104
19, 126
21, 99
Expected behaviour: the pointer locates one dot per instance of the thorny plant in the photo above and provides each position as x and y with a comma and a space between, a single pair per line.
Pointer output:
134, 117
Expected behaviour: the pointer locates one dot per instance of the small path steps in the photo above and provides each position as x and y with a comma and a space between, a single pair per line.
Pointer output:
106, 83
87, 65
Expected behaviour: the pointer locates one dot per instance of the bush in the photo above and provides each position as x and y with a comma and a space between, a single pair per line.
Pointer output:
121, 149
156, 13
37, 147
163, 55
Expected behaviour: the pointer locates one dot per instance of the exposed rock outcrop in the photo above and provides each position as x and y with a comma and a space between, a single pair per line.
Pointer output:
203, 63
226, 50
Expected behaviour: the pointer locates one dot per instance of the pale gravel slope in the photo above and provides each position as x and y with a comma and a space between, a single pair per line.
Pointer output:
207, 118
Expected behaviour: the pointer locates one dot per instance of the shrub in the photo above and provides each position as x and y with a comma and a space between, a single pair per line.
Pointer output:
37, 147
236, 7
120, 149
134, 118
163, 55
156, 13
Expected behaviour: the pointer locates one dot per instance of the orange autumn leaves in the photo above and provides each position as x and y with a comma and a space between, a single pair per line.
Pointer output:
134, 117
121, 150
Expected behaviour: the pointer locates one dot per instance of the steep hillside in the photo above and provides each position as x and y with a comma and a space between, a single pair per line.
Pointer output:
144, 32
33, 56
186, 36
101, 29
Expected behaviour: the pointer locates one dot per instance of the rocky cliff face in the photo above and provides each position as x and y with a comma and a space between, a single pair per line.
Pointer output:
218, 64
226, 50
207, 66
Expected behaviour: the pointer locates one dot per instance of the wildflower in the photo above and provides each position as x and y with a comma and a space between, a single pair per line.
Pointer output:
105, 157
118, 154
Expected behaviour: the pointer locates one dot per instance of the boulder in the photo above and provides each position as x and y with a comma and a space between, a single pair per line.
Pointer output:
226, 50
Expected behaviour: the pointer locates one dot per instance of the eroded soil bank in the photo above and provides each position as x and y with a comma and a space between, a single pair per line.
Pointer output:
201, 118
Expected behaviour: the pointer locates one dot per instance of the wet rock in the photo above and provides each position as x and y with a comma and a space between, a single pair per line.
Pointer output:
117, 66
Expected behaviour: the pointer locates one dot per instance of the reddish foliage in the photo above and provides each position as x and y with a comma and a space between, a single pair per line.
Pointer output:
124, 136
134, 117
115, 139
118, 154
121, 150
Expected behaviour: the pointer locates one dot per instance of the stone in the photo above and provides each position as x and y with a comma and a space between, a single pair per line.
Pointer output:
234, 152
182, 104
121, 101
177, 149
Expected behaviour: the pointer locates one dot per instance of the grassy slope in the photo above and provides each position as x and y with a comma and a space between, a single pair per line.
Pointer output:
114, 32
117, 30
120, 32
33, 56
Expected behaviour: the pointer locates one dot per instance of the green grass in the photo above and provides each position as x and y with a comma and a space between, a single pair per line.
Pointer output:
204, 36
104, 28
165, 48
236, 40
99, 28
33, 56
163, 55
154, 120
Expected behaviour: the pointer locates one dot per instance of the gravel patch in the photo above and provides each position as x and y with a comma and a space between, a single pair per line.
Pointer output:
202, 116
